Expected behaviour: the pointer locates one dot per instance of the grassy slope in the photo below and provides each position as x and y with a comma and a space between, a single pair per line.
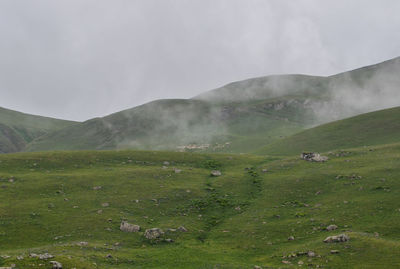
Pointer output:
17, 129
379, 127
37, 217
166, 124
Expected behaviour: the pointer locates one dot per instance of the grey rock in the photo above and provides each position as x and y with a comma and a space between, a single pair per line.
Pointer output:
337, 238
182, 229
313, 157
331, 227
216, 173
311, 254
45, 256
56, 265
153, 233
128, 227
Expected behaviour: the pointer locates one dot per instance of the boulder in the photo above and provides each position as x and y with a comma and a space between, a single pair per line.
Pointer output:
311, 254
45, 256
337, 238
182, 229
216, 173
56, 265
153, 233
331, 227
128, 227
313, 157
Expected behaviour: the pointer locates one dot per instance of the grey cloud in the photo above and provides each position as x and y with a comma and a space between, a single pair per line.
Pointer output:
78, 59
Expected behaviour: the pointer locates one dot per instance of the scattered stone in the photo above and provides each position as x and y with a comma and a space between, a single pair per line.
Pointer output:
337, 238
51, 205
177, 171
20, 258
291, 238
11, 180
182, 229
300, 262
286, 262
257, 267
165, 163
331, 227
66, 199
75, 206
45, 256
82, 244
33, 255
313, 157
99, 211
153, 233
108, 256
237, 208
264, 170
97, 188
56, 265
128, 227
168, 240
334, 251
105, 204
216, 173
311, 254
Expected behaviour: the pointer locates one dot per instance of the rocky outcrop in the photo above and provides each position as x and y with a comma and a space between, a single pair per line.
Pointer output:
337, 238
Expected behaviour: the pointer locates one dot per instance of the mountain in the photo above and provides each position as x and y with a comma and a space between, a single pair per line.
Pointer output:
239, 117
18, 129
374, 128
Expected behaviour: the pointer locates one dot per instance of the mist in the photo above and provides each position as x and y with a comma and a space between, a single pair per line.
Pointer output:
77, 60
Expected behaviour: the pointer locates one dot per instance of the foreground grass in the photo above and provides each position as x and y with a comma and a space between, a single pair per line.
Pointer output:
240, 219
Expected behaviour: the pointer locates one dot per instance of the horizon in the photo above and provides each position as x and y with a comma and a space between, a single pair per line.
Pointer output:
123, 109
77, 60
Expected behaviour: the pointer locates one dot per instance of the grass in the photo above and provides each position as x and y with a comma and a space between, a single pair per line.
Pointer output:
374, 128
232, 220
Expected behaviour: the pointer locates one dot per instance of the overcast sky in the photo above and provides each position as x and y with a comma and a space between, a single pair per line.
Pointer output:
78, 59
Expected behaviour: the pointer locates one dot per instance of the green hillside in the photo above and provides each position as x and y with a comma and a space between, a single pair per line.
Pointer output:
239, 117
18, 129
374, 128
173, 124
71, 204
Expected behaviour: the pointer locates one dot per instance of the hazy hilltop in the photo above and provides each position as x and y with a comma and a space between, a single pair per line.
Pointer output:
18, 129
239, 117
374, 128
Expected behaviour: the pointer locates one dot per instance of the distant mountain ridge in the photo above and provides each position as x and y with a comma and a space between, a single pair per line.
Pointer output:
239, 117
18, 129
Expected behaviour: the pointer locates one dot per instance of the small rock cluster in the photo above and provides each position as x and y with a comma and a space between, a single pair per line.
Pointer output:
313, 157
337, 238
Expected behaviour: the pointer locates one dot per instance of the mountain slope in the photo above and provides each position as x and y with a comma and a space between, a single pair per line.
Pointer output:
18, 129
374, 128
240, 117
168, 124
